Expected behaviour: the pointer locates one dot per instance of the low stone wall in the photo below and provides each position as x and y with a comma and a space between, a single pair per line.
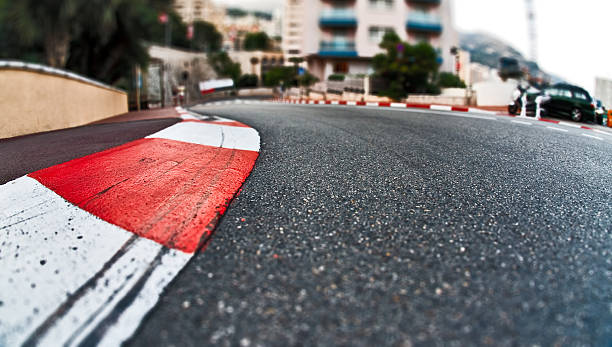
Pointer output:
35, 98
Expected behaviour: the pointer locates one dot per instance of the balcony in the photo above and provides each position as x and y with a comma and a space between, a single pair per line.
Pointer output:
424, 23
424, 2
337, 48
338, 18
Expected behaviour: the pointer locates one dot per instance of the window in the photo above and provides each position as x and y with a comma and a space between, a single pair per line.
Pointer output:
377, 33
552, 92
581, 96
381, 4
565, 93
341, 67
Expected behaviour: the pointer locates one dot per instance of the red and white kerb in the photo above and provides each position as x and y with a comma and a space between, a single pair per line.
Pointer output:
87, 246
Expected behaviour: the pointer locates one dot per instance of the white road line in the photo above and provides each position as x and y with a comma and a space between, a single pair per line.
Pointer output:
592, 136
351, 103
602, 132
375, 104
476, 110
569, 125
521, 122
398, 104
54, 264
557, 129
41, 260
429, 112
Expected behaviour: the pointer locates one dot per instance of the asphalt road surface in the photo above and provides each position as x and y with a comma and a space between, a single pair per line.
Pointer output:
368, 226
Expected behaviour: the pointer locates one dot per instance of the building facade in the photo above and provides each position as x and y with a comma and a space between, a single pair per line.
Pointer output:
603, 91
342, 36
200, 10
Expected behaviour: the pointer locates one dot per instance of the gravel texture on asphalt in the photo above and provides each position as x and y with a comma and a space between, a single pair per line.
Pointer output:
368, 227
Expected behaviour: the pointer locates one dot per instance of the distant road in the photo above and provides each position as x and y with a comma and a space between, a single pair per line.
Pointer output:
369, 226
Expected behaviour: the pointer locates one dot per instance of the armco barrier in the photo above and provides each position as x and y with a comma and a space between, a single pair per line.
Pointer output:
36, 98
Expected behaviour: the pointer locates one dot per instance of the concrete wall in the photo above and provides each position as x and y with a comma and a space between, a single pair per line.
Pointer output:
494, 93
34, 101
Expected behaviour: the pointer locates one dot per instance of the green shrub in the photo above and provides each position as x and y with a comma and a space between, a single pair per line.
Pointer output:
449, 80
336, 77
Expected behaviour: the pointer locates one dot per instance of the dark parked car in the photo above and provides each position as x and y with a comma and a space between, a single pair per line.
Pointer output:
566, 101
600, 111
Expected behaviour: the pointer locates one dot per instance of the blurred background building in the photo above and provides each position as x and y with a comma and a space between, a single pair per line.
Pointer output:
200, 10
603, 90
343, 36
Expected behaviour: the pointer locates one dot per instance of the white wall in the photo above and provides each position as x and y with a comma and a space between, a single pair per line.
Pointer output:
494, 93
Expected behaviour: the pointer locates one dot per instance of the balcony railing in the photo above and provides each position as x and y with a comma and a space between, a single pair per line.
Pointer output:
337, 48
423, 22
338, 18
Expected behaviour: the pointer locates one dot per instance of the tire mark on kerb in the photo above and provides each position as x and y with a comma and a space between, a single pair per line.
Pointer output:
64, 308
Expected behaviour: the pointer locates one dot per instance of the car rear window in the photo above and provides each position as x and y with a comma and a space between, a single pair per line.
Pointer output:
581, 96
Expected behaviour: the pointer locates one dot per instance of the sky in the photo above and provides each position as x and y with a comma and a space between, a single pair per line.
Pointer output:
572, 35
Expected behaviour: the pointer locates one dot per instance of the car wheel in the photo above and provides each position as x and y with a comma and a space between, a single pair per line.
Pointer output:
512, 109
576, 115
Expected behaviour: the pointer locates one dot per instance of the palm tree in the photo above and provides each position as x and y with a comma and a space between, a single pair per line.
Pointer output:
49, 20
254, 61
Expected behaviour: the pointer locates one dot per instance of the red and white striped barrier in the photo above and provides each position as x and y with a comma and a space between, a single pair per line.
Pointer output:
386, 104
431, 107
89, 245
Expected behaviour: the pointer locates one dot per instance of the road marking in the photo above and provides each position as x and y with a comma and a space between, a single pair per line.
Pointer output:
520, 122
602, 132
475, 110
569, 125
74, 267
428, 112
557, 129
592, 136
398, 104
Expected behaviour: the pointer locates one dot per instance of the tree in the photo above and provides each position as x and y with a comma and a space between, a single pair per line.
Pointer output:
449, 80
254, 61
307, 79
246, 81
405, 68
257, 42
112, 36
178, 31
206, 37
98, 38
224, 66
47, 21
282, 74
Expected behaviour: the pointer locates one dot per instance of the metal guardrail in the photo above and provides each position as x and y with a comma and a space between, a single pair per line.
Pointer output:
19, 65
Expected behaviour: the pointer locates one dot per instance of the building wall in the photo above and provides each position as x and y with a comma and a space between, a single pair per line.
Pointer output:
35, 101
267, 61
200, 10
176, 63
302, 32
603, 91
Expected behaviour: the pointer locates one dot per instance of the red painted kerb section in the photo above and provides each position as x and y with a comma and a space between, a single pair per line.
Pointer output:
168, 191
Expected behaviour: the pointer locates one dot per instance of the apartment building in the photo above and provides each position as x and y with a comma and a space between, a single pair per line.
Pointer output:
200, 10
342, 36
